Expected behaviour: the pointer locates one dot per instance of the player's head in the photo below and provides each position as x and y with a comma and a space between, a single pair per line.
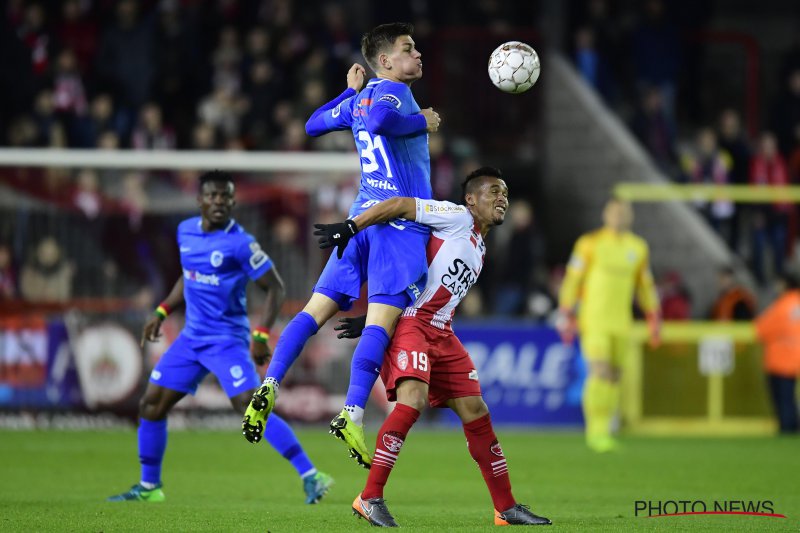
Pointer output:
390, 51
215, 198
618, 215
486, 196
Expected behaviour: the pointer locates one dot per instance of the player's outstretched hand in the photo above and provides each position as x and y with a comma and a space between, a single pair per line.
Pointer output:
432, 118
152, 330
351, 328
260, 353
355, 77
338, 235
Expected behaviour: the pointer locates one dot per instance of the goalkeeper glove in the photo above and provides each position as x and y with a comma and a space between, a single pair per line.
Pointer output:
654, 328
338, 235
566, 325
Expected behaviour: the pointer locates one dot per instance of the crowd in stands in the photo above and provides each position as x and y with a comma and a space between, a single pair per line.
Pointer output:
172, 74
235, 75
647, 69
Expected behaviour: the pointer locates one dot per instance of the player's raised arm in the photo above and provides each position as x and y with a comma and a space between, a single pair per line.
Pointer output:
385, 119
340, 233
152, 329
337, 114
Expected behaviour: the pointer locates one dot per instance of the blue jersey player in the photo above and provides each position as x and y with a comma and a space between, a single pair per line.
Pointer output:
218, 258
391, 135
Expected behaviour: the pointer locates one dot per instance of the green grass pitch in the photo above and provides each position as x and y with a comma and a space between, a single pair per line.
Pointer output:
215, 481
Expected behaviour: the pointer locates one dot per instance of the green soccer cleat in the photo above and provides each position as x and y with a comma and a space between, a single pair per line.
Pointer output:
343, 428
139, 494
316, 486
602, 444
255, 417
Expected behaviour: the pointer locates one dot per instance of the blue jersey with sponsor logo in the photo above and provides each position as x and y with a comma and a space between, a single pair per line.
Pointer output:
216, 268
391, 165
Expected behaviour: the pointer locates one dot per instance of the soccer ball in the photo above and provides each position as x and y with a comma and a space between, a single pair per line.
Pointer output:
514, 67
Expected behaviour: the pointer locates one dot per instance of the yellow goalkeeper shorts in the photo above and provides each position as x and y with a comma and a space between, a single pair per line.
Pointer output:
604, 346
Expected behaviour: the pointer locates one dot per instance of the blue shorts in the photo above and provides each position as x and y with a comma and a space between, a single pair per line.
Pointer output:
188, 361
392, 261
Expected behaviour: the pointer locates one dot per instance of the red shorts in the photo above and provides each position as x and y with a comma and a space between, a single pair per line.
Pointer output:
419, 350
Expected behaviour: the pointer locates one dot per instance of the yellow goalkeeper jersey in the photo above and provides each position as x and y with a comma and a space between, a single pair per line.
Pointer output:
605, 271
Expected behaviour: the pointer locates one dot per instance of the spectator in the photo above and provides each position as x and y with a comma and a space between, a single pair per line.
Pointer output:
778, 328
770, 223
8, 280
77, 31
523, 250
125, 61
656, 130
676, 302
734, 302
656, 50
708, 164
592, 64
69, 94
786, 113
47, 275
150, 132
733, 141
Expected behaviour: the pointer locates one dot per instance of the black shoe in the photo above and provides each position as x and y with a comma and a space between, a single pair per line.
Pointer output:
519, 515
374, 510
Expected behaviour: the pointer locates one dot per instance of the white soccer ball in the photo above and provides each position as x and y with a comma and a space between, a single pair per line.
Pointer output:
514, 67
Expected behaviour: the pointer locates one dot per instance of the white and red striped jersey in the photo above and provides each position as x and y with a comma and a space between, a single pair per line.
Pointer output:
455, 259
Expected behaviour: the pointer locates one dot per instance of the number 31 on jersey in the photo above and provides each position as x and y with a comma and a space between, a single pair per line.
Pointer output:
371, 145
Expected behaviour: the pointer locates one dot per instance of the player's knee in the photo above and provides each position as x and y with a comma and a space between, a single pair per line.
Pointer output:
413, 393
602, 370
151, 408
470, 408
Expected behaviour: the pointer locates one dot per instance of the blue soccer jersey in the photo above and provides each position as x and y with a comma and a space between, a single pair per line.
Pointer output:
393, 163
216, 268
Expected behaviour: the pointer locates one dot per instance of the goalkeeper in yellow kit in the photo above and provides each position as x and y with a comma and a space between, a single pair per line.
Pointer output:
607, 268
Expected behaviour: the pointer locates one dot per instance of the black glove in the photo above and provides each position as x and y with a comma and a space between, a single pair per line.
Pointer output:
338, 234
351, 328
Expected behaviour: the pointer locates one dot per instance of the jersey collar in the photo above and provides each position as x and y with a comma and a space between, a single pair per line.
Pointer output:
227, 229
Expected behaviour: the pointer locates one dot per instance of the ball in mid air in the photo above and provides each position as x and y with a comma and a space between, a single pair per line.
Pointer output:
514, 67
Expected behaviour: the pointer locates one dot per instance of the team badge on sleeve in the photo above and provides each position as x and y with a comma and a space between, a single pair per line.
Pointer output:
402, 360
259, 257
392, 99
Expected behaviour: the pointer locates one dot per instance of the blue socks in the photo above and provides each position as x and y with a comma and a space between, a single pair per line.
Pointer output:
152, 444
291, 342
282, 438
366, 365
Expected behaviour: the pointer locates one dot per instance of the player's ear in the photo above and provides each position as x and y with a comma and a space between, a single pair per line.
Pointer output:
384, 61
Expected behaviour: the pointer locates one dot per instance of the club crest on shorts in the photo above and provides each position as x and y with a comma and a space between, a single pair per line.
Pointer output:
216, 258
402, 360
496, 449
236, 371
393, 441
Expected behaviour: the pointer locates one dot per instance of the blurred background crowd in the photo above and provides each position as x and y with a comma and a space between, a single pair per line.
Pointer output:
245, 75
